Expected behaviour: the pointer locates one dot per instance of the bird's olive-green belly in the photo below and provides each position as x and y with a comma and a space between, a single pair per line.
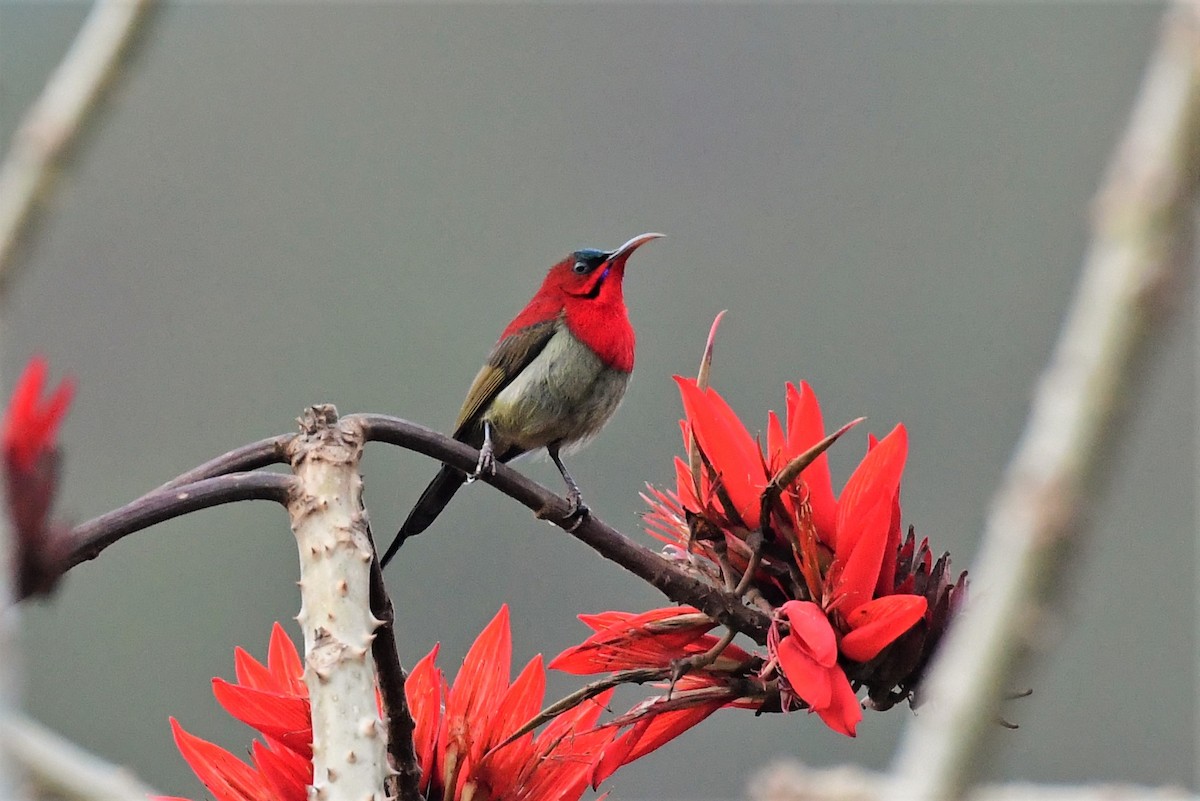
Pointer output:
566, 394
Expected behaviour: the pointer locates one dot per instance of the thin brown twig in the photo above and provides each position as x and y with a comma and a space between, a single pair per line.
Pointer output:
685, 699
584, 693
720, 550
791, 471
256, 455
98, 533
755, 541
392, 680
1141, 248
682, 667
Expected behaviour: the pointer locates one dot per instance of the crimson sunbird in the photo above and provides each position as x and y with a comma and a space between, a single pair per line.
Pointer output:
552, 380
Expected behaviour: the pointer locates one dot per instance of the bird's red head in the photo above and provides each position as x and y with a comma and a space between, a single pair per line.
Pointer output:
586, 287
593, 275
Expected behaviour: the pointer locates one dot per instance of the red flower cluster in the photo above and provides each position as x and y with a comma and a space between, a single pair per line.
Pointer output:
854, 603
31, 462
459, 736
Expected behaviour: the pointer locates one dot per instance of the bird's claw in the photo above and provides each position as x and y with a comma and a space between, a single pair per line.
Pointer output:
577, 511
485, 465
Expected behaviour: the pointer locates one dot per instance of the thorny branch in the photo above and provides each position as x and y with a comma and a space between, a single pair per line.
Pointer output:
329, 522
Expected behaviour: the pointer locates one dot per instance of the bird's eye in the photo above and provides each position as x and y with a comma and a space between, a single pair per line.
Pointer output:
588, 260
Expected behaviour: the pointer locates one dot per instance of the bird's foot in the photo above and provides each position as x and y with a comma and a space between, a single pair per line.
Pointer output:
485, 465
577, 510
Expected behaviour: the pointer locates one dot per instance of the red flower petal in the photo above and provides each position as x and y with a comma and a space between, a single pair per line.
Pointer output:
564, 772
425, 689
522, 701
225, 776
647, 735
477, 689
31, 428
567, 750
581, 718
807, 679
599, 621
805, 429
853, 580
250, 672
623, 640
285, 772
729, 447
284, 717
844, 711
776, 444
876, 480
876, 624
685, 487
284, 662
811, 631
887, 570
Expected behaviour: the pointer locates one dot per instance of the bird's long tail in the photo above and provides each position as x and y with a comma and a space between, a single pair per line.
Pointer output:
431, 503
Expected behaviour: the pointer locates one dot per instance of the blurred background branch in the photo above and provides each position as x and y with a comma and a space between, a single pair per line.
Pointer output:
55, 768
1137, 262
59, 117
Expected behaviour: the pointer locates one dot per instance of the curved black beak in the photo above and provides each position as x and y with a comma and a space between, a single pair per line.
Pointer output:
633, 244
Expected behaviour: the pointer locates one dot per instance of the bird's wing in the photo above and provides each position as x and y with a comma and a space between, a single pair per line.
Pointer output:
508, 358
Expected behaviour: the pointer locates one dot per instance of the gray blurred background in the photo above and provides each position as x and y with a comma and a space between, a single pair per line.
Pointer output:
294, 204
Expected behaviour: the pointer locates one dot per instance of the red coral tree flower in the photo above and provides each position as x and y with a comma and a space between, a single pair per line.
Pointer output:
845, 548
853, 605
31, 470
808, 656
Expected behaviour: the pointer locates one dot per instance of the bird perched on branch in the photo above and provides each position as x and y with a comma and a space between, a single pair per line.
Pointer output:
552, 381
